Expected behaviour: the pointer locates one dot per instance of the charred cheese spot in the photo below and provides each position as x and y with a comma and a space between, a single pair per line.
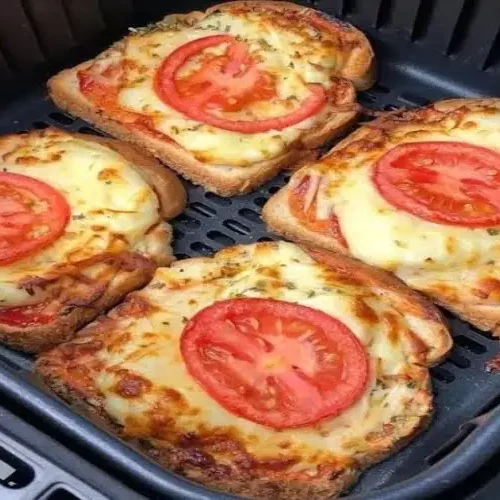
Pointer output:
135, 306
131, 385
110, 175
75, 351
364, 312
488, 288
393, 327
34, 160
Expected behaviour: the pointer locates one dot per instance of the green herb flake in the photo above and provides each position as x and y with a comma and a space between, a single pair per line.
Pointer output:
78, 217
492, 231
265, 45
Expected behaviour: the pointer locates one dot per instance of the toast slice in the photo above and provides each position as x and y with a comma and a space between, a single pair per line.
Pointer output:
453, 261
292, 45
118, 198
134, 369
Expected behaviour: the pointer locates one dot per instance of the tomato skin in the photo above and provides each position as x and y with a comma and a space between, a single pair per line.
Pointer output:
25, 316
19, 220
447, 182
276, 363
297, 201
167, 89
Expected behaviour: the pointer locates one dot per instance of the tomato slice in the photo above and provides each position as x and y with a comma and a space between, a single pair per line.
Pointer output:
275, 363
25, 316
226, 82
302, 205
32, 216
450, 183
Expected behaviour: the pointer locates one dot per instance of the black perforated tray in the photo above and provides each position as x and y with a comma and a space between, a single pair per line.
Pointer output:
428, 50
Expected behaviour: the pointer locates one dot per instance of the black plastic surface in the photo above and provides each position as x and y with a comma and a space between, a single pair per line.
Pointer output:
52, 468
422, 59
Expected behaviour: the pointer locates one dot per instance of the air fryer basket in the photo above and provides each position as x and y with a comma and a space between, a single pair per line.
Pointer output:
427, 50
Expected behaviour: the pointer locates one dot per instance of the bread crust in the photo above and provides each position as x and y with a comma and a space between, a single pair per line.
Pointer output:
229, 181
276, 213
172, 196
55, 367
36, 339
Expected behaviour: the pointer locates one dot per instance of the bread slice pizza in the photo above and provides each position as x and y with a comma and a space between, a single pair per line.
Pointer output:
81, 225
229, 96
416, 193
268, 370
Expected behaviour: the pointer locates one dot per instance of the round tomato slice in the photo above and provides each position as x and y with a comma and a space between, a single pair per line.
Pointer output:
226, 82
450, 183
275, 363
25, 316
32, 216
302, 205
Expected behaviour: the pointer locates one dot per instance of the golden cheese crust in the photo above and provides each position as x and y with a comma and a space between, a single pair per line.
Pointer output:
111, 367
463, 277
76, 298
354, 67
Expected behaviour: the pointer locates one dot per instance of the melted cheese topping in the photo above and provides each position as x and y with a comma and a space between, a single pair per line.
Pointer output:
112, 206
422, 253
296, 57
148, 348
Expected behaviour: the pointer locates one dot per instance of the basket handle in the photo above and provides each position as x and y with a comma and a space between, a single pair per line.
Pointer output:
476, 440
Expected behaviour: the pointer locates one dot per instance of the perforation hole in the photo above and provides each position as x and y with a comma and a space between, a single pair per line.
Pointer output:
236, 226
201, 248
368, 96
90, 131
6, 361
39, 125
390, 107
221, 238
445, 450
442, 374
188, 221
202, 209
458, 360
260, 201
61, 118
223, 202
181, 256
250, 215
489, 406
178, 235
265, 238
381, 88
413, 100
470, 345
274, 189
